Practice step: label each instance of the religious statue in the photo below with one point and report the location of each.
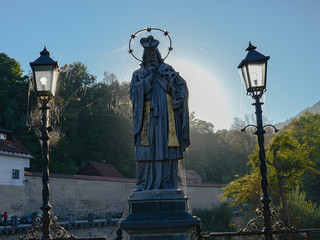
(159, 96)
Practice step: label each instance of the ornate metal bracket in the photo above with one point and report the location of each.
(250, 125)
(56, 230)
(256, 224)
(279, 224)
(268, 125)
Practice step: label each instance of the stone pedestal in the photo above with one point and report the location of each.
(159, 214)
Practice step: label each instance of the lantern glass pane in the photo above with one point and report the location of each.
(257, 75)
(244, 76)
(43, 75)
(54, 81)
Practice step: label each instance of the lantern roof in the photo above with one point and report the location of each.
(44, 59)
(253, 56)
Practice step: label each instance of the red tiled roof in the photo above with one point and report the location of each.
(192, 174)
(11, 144)
(100, 169)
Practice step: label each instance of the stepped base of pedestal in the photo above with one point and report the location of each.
(160, 214)
(155, 234)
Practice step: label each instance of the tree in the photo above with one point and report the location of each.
(288, 160)
(244, 190)
(210, 154)
(304, 214)
(94, 128)
(217, 219)
(14, 98)
(241, 144)
(306, 129)
(74, 77)
(110, 78)
(200, 126)
(13, 93)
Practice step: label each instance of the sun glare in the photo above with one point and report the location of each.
(206, 96)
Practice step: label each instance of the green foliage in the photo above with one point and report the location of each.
(13, 99)
(244, 190)
(217, 219)
(95, 124)
(211, 155)
(200, 126)
(13, 93)
(73, 81)
(290, 162)
(304, 214)
(306, 130)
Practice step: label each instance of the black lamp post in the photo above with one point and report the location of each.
(45, 73)
(253, 71)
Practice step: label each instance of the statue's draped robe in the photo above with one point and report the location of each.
(160, 125)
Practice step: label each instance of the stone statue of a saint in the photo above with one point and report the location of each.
(159, 96)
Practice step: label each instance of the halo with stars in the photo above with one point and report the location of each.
(149, 29)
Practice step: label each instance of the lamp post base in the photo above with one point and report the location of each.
(46, 222)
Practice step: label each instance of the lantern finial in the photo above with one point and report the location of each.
(251, 47)
(45, 52)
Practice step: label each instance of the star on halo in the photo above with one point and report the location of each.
(149, 29)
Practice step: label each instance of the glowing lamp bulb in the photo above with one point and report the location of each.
(43, 80)
(255, 80)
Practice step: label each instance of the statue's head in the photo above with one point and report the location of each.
(151, 54)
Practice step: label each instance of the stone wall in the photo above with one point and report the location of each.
(77, 196)
(203, 196)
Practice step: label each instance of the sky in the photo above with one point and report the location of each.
(209, 38)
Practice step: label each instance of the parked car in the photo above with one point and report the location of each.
(9, 220)
(30, 217)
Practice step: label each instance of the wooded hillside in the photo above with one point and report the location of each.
(92, 122)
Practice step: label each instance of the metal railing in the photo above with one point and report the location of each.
(290, 234)
(256, 230)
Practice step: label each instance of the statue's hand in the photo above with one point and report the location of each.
(151, 68)
(149, 79)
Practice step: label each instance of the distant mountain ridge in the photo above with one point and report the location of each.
(313, 109)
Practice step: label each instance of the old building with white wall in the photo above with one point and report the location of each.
(14, 158)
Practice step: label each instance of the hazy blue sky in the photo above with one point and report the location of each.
(209, 39)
